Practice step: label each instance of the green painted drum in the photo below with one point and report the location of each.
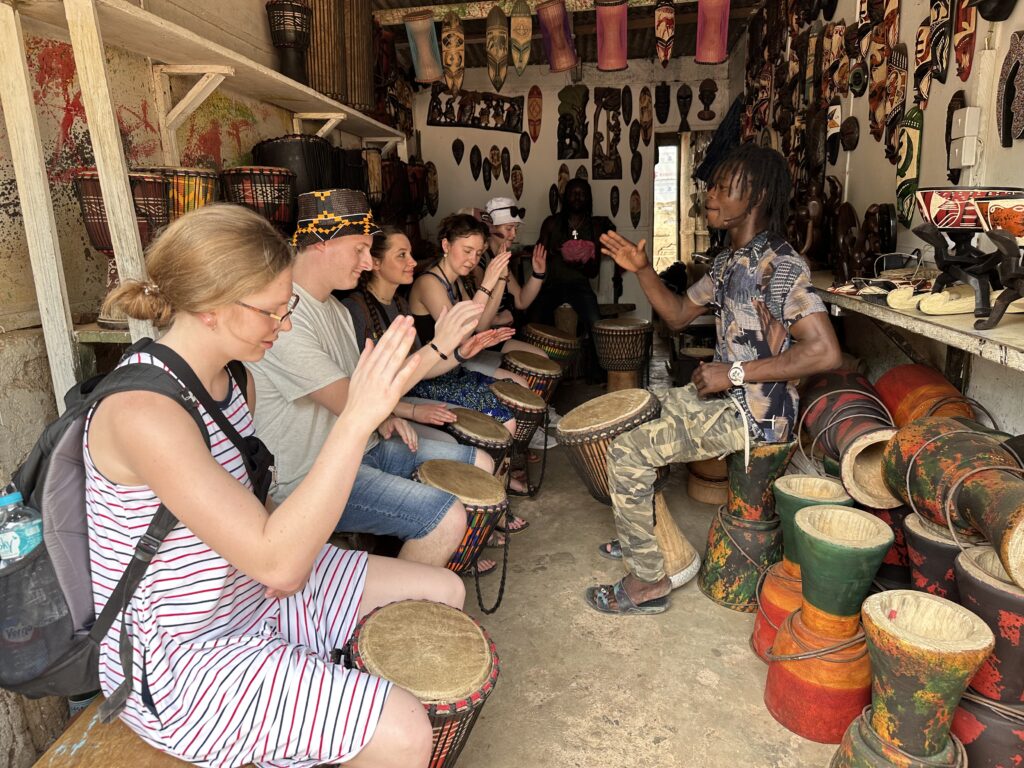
(793, 493)
(738, 552)
(924, 650)
(750, 484)
(840, 550)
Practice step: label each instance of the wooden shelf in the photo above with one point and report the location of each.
(143, 33)
(91, 333)
(1004, 344)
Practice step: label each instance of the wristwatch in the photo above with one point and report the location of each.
(736, 376)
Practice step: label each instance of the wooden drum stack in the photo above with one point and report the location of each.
(781, 592)
(440, 655)
(819, 677)
(587, 433)
(623, 349)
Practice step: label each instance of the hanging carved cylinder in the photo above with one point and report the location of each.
(358, 24)
(712, 31)
(426, 56)
(557, 36)
(325, 58)
(611, 35)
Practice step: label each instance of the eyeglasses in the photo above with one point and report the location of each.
(293, 302)
(516, 213)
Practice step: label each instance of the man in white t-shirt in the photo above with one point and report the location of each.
(302, 385)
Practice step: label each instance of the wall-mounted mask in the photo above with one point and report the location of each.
(923, 64)
(563, 177)
(664, 30)
(517, 181)
(453, 52)
(859, 78)
(506, 163)
(1010, 93)
(553, 198)
(520, 34)
(908, 164)
(636, 167)
(534, 111)
(458, 150)
(662, 103)
(524, 146)
(475, 161)
(495, 157)
(646, 115)
(942, 29)
(634, 135)
(634, 208)
(613, 201)
(627, 104)
(497, 47)
(486, 173)
(849, 133)
(581, 173)
(433, 193)
(706, 93)
(684, 99)
(965, 22)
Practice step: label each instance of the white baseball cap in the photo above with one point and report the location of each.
(503, 210)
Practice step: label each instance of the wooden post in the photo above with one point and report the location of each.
(87, 43)
(36, 205)
(171, 117)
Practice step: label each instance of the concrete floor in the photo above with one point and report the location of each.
(577, 688)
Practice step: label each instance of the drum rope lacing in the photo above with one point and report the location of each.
(504, 569)
(963, 399)
(1014, 714)
(920, 760)
(819, 398)
(816, 653)
(760, 586)
(955, 488)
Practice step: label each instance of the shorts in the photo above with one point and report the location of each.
(386, 502)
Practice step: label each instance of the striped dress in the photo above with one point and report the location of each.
(224, 676)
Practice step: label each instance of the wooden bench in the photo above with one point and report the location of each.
(88, 743)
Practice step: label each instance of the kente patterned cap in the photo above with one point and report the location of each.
(330, 213)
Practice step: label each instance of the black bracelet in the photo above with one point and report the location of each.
(458, 355)
(485, 290)
(440, 354)
(539, 275)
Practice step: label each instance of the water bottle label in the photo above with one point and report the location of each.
(20, 538)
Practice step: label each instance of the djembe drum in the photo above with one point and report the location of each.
(924, 650)
(309, 157)
(560, 346)
(622, 349)
(440, 655)
(149, 195)
(267, 190)
(187, 188)
(540, 373)
(483, 497)
(587, 432)
(819, 676)
(527, 407)
(484, 432)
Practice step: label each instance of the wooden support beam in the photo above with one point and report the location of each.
(478, 10)
(199, 92)
(90, 62)
(331, 121)
(36, 205)
(170, 117)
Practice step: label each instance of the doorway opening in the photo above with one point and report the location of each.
(665, 250)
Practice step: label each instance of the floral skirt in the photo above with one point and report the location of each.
(464, 388)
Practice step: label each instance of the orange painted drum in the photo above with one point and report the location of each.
(912, 392)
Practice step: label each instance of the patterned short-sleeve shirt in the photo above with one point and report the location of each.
(757, 292)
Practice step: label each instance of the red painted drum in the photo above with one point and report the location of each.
(912, 392)
(992, 733)
(932, 552)
(986, 590)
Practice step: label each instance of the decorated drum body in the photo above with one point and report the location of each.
(541, 374)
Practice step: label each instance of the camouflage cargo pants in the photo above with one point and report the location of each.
(689, 429)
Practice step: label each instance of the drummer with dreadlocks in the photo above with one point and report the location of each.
(772, 329)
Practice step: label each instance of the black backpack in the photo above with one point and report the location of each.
(49, 633)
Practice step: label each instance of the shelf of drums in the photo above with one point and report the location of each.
(141, 32)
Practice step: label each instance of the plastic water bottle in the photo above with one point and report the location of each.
(21, 529)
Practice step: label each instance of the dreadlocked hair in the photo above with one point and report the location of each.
(762, 174)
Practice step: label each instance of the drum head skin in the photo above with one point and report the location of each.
(480, 426)
(531, 362)
(434, 651)
(623, 324)
(550, 332)
(523, 398)
(605, 411)
(472, 485)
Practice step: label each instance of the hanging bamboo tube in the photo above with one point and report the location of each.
(358, 25)
(325, 58)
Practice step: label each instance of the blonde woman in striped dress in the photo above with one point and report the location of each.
(236, 618)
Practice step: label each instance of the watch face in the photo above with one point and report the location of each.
(736, 375)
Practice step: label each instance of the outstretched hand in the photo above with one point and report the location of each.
(632, 257)
(495, 269)
(539, 260)
(382, 376)
(478, 342)
(454, 323)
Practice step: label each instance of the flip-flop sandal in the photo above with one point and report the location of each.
(599, 598)
(530, 491)
(494, 541)
(482, 571)
(524, 524)
(611, 549)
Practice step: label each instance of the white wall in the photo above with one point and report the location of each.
(458, 190)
